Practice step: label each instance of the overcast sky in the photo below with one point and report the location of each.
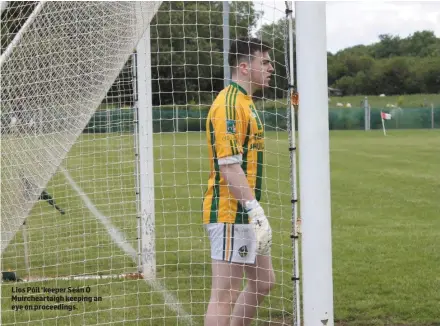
(351, 23)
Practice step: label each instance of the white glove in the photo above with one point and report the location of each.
(260, 224)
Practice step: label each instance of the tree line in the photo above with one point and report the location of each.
(187, 55)
(392, 66)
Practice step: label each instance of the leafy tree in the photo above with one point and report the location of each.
(391, 66)
(187, 54)
(428, 72)
(187, 48)
(274, 35)
(395, 75)
(420, 44)
(336, 69)
(346, 84)
(388, 46)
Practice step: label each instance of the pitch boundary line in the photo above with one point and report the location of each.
(119, 239)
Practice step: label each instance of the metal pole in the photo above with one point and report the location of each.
(176, 118)
(293, 157)
(20, 33)
(26, 249)
(226, 40)
(366, 114)
(146, 158)
(369, 117)
(3, 5)
(137, 163)
(314, 164)
(109, 121)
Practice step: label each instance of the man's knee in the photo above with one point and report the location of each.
(263, 287)
(224, 295)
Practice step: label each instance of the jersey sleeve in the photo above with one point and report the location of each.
(225, 131)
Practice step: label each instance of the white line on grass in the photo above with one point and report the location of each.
(119, 239)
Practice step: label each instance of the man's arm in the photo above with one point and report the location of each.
(237, 182)
(229, 152)
(226, 134)
(239, 187)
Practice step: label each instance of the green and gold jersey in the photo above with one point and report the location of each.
(233, 127)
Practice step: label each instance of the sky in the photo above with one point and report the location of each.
(351, 23)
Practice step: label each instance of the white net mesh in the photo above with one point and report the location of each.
(69, 125)
(53, 79)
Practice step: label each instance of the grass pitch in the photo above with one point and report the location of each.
(385, 216)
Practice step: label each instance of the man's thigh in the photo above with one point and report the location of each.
(261, 271)
(226, 276)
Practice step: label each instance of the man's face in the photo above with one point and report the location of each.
(261, 70)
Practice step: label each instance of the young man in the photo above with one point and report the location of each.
(238, 229)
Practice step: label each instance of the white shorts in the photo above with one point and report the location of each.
(232, 242)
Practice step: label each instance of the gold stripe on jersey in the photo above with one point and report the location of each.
(241, 216)
(215, 194)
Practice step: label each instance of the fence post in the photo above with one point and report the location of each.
(367, 114)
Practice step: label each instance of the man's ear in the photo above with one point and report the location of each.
(243, 67)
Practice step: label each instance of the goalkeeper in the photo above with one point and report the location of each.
(239, 232)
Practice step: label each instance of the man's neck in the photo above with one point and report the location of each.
(245, 85)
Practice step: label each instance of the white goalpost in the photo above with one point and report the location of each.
(104, 159)
(144, 108)
(314, 163)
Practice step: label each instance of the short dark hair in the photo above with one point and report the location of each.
(245, 47)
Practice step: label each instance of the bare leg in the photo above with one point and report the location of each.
(226, 284)
(261, 279)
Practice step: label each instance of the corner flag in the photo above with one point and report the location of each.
(384, 116)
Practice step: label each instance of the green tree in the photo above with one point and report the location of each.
(336, 69)
(391, 66)
(275, 36)
(346, 84)
(187, 48)
(361, 80)
(395, 75)
(427, 71)
(420, 44)
(358, 50)
(388, 46)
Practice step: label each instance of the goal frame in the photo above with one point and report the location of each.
(316, 272)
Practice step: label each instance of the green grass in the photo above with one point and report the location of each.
(385, 214)
(385, 225)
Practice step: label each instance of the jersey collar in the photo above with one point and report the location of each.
(241, 89)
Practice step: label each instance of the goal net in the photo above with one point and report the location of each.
(104, 159)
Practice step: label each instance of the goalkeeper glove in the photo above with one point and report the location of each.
(261, 227)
